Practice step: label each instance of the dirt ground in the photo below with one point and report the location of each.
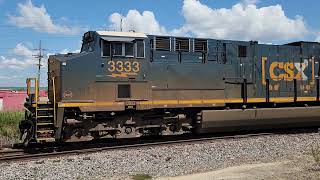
(297, 168)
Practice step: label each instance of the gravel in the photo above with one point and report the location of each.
(168, 160)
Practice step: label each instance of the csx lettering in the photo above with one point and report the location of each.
(123, 66)
(287, 71)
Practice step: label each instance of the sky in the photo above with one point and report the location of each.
(60, 25)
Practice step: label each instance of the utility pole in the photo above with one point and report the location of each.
(39, 56)
(121, 23)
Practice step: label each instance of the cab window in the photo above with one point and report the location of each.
(129, 49)
(117, 49)
(126, 49)
(140, 49)
(106, 49)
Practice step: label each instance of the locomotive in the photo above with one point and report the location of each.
(129, 84)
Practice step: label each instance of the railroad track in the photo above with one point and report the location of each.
(11, 152)
(20, 154)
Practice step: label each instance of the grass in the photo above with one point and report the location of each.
(9, 124)
(315, 151)
(141, 177)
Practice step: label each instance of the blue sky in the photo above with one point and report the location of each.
(60, 24)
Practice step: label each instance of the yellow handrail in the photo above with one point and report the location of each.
(37, 90)
(28, 86)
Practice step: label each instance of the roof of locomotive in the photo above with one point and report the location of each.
(122, 34)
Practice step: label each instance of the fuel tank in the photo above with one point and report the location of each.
(262, 118)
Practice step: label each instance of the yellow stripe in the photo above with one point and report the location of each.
(84, 104)
(213, 101)
(159, 102)
(190, 101)
(282, 99)
(306, 98)
(256, 100)
(193, 101)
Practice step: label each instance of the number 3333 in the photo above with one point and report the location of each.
(123, 66)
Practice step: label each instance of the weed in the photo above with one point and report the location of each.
(315, 151)
(9, 123)
(141, 177)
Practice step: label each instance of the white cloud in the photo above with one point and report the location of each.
(22, 50)
(23, 64)
(38, 19)
(5, 77)
(242, 21)
(23, 60)
(247, 2)
(13, 63)
(134, 20)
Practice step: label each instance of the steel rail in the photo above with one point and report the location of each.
(26, 156)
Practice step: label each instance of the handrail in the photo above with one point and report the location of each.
(36, 97)
(37, 90)
(54, 100)
(28, 86)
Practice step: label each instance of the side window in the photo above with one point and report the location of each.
(129, 49)
(117, 49)
(140, 48)
(182, 44)
(242, 51)
(106, 48)
(200, 45)
(162, 44)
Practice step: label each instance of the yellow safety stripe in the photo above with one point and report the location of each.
(85, 104)
(188, 102)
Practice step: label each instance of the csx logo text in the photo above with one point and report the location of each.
(288, 69)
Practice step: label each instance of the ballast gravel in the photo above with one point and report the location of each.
(165, 160)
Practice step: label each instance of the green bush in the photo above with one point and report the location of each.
(9, 124)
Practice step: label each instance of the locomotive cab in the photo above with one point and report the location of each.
(123, 59)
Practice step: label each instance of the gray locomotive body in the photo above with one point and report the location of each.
(128, 84)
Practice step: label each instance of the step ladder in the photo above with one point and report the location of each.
(43, 112)
(44, 122)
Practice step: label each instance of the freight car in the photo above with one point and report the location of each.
(128, 84)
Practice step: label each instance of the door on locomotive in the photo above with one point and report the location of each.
(245, 60)
(126, 66)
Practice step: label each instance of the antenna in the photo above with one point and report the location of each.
(121, 20)
(39, 56)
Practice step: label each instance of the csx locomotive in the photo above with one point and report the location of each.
(128, 84)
